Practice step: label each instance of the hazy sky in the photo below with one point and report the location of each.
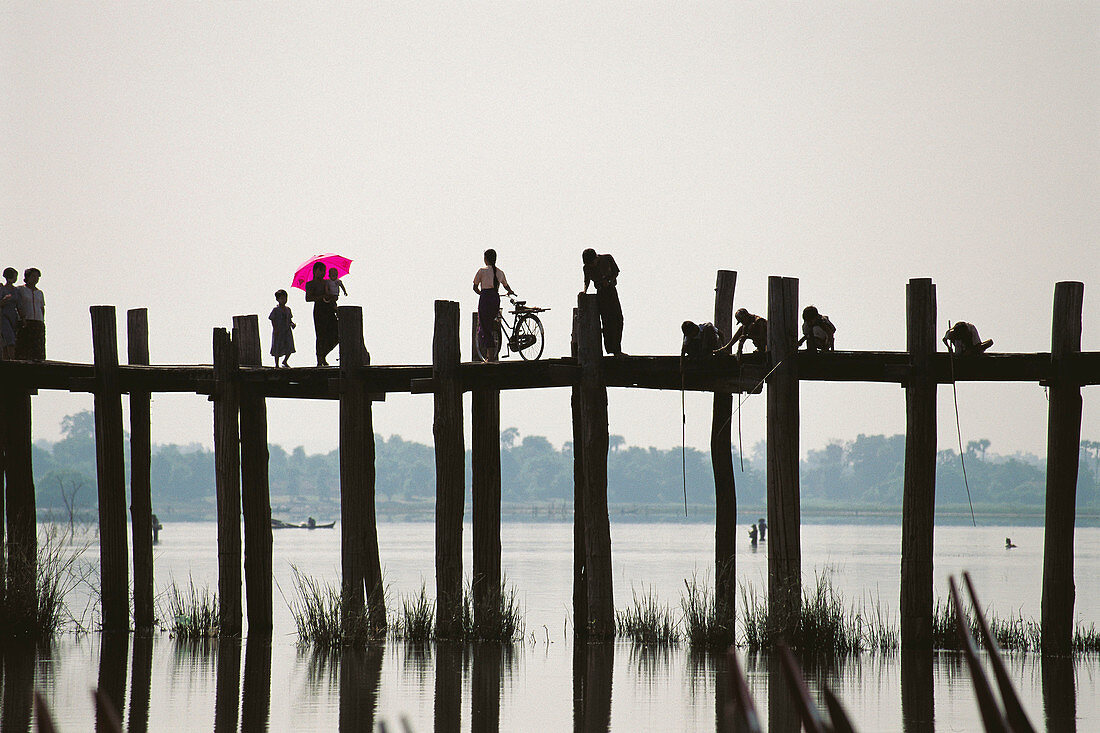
(187, 156)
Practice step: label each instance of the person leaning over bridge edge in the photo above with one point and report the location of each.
(602, 271)
(324, 314)
(817, 331)
(700, 339)
(30, 342)
(486, 281)
(750, 328)
(963, 339)
(9, 314)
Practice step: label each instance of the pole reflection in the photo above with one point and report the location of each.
(360, 676)
(112, 678)
(18, 687)
(1059, 694)
(228, 693)
(485, 708)
(593, 669)
(141, 680)
(256, 701)
(918, 702)
(448, 686)
(782, 710)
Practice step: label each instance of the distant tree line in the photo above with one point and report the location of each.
(863, 473)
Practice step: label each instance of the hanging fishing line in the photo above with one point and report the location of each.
(958, 430)
(683, 436)
(740, 447)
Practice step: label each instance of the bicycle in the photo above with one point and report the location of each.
(525, 334)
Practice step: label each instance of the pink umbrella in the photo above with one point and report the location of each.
(304, 273)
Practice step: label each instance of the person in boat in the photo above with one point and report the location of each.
(486, 282)
(311, 523)
(752, 534)
(700, 339)
(817, 331)
(963, 339)
(750, 327)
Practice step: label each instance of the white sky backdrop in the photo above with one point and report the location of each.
(186, 156)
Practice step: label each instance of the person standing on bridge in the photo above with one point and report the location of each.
(486, 282)
(324, 314)
(602, 271)
(30, 342)
(9, 313)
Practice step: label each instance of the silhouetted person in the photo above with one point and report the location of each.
(30, 342)
(9, 313)
(334, 286)
(157, 527)
(311, 523)
(700, 339)
(817, 330)
(752, 534)
(324, 314)
(963, 339)
(1008, 543)
(602, 271)
(750, 327)
(282, 329)
(486, 281)
(763, 526)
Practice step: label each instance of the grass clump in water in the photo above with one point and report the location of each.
(648, 621)
(416, 620)
(193, 612)
(504, 623)
(700, 617)
(825, 625)
(325, 620)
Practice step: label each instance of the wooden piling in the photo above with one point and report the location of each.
(721, 460)
(450, 469)
(255, 486)
(22, 535)
(227, 481)
(3, 505)
(784, 514)
(110, 472)
(1063, 451)
(485, 485)
(361, 565)
(141, 500)
(594, 444)
(580, 576)
(919, 493)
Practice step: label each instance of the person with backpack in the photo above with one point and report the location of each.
(817, 331)
(604, 273)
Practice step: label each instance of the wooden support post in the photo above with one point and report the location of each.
(580, 577)
(919, 493)
(1063, 451)
(227, 480)
(22, 535)
(485, 465)
(110, 472)
(784, 515)
(141, 499)
(594, 441)
(4, 395)
(721, 461)
(450, 470)
(255, 487)
(361, 566)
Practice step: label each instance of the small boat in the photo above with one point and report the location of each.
(311, 523)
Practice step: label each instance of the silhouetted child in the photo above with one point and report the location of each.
(334, 285)
(817, 331)
(282, 329)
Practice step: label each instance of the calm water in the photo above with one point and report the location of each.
(167, 685)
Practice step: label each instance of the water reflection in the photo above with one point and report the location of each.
(141, 680)
(256, 701)
(360, 676)
(112, 680)
(917, 691)
(593, 667)
(782, 709)
(485, 706)
(448, 686)
(1059, 694)
(228, 692)
(18, 687)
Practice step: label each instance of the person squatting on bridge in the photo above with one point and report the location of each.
(750, 327)
(817, 331)
(700, 339)
(963, 339)
(602, 271)
(486, 282)
(30, 342)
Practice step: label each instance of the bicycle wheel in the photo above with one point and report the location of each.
(529, 338)
(489, 351)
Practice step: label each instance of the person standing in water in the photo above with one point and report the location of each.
(324, 314)
(282, 329)
(486, 281)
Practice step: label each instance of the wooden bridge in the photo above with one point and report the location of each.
(238, 386)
